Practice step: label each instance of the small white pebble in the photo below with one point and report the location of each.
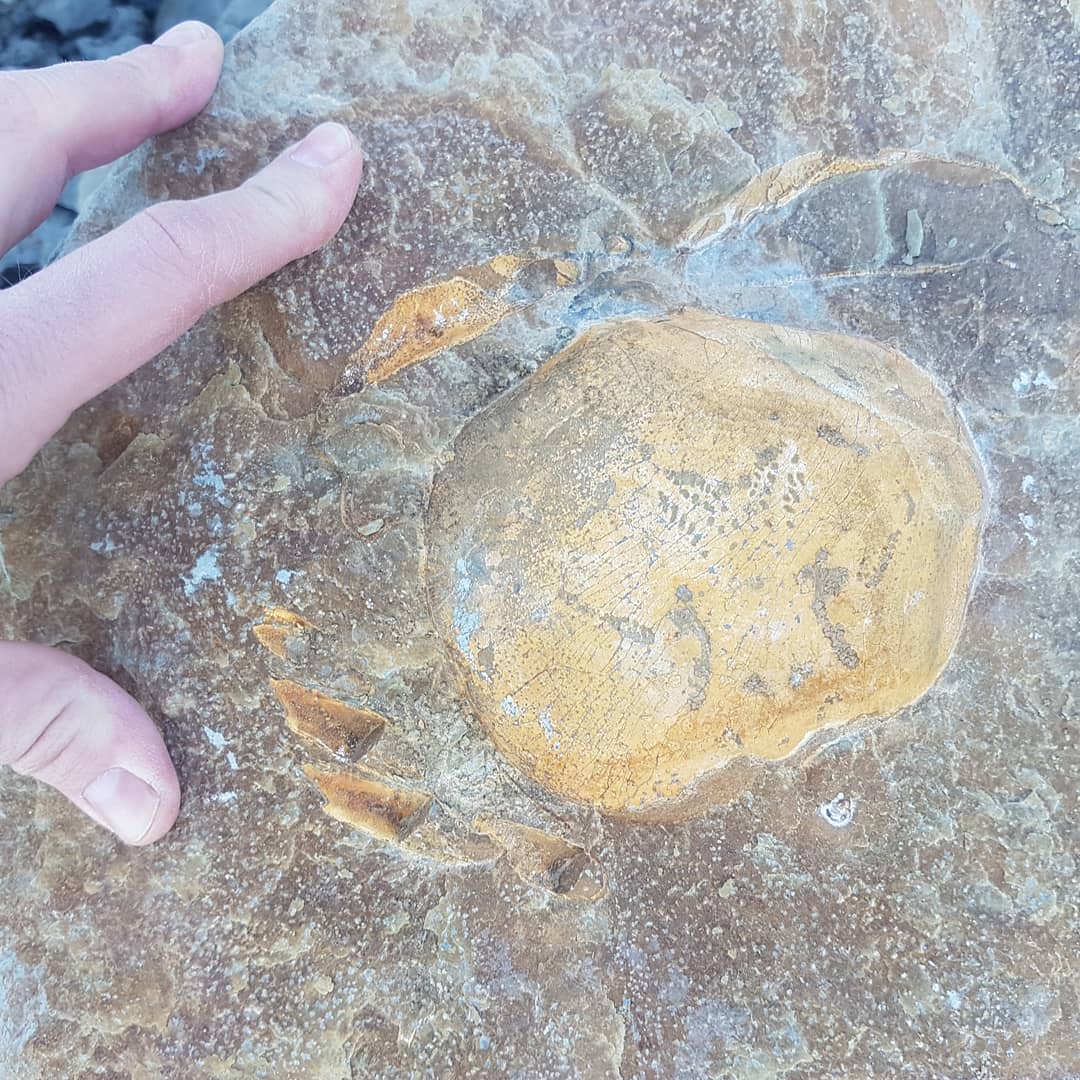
(839, 812)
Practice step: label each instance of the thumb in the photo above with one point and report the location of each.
(69, 726)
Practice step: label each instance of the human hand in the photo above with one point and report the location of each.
(94, 316)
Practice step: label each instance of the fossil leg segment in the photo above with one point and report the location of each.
(549, 861)
(342, 729)
(383, 812)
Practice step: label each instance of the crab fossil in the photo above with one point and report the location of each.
(684, 540)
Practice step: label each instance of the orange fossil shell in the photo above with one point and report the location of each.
(423, 322)
(696, 538)
(281, 629)
(340, 728)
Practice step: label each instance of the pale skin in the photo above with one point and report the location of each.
(95, 315)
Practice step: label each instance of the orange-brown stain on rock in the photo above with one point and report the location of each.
(375, 808)
(693, 539)
(426, 321)
(423, 322)
(566, 272)
(340, 728)
(279, 629)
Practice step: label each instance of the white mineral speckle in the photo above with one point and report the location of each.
(215, 738)
(209, 478)
(1026, 381)
(545, 725)
(203, 157)
(205, 569)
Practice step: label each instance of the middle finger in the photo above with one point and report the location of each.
(62, 120)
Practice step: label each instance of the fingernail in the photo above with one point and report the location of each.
(125, 803)
(185, 33)
(325, 145)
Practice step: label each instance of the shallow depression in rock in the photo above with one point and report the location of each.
(693, 539)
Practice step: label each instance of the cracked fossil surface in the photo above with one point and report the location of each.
(647, 532)
(694, 539)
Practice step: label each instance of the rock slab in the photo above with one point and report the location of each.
(238, 534)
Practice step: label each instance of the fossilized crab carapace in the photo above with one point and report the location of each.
(691, 539)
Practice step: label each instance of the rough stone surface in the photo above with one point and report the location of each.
(895, 898)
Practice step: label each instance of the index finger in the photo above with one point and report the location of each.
(86, 321)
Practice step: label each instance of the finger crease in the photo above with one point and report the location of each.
(150, 213)
(24, 763)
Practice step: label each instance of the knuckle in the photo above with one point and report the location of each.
(174, 240)
(53, 750)
(281, 201)
(9, 405)
(140, 79)
(37, 691)
(132, 64)
(20, 370)
(53, 719)
(10, 745)
(304, 213)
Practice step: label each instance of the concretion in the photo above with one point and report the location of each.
(863, 216)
